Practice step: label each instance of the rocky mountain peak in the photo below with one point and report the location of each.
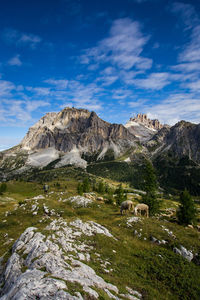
(143, 127)
(71, 134)
(144, 120)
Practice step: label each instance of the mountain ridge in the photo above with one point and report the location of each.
(79, 137)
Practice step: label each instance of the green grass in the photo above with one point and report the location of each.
(154, 270)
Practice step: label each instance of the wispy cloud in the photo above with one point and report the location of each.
(13, 36)
(175, 108)
(154, 81)
(191, 53)
(186, 12)
(122, 48)
(58, 83)
(15, 61)
(6, 87)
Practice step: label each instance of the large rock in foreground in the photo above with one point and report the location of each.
(43, 264)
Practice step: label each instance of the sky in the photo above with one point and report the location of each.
(117, 58)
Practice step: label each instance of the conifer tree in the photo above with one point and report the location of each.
(150, 187)
(187, 211)
(120, 195)
(86, 185)
(150, 180)
(80, 189)
(3, 188)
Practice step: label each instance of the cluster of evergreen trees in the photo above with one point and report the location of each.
(103, 189)
(186, 213)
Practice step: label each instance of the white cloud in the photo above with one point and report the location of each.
(195, 85)
(120, 94)
(6, 87)
(154, 81)
(60, 84)
(175, 108)
(15, 61)
(188, 67)
(40, 91)
(19, 38)
(187, 12)
(33, 105)
(122, 48)
(191, 53)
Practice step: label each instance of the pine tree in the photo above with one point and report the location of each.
(80, 189)
(120, 195)
(3, 188)
(150, 180)
(150, 187)
(187, 211)
(101, 188)
(86, 185)
(153, 202)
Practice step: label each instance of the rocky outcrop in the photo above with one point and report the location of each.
(65, 137)
(143, 128)
(143, 119)
(43, 265)
(181, 140)
(76, 128)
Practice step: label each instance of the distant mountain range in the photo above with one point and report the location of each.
(78, 137)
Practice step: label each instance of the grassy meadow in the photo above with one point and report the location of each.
(152, 269)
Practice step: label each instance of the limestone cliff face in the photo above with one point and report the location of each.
(76, 128)
(143, 128)
(151, 124)
(182, 139)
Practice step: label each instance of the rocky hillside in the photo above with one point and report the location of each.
(66, 137)
(76, 128)
(175, 153)
(80, 247)
(143, 127)
(182, 139)
(79, 137)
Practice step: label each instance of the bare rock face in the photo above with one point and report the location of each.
(142, 127)
(76, 128)
(42, 265)
(182, 139)
(64, 138)
(152, 124)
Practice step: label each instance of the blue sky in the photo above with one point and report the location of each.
(117, 58)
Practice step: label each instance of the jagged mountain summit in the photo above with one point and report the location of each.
(143, 127)
(181, 140)
(67, 136)
(79, 137)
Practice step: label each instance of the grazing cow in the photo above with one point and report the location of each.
(142, 207)
(126, 205)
